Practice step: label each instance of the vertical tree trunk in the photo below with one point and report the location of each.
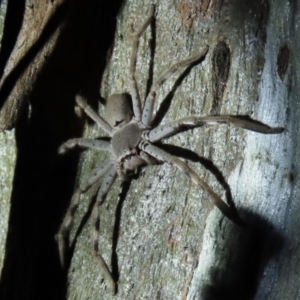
(164, 239)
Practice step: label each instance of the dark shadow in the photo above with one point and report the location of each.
(12, 26)
(152, 54)
(166, 103)
(43, 180)
(247, 252)
(114, 256)
(210, 166)
(8, 43)
(70, 252)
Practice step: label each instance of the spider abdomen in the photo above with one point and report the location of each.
(125, 140)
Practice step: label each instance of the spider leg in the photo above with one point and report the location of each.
(86, 143)
(108, 181)
(149, 102)
(82, 102)
(65, 227)
(162, 155)
(134, 91)
(166, 130)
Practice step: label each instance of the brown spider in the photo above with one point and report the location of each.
(133, 144)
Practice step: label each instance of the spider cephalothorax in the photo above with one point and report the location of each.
(135, 143)
(126, 133)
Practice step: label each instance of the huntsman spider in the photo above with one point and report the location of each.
(134, 144)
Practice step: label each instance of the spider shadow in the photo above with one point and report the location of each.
(152, 44)
(83, 222)
(210, 166)
(166, 103)
(246, 252)
(125, 186)
(122, 197)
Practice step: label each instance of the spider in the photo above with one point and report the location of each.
(134, 144)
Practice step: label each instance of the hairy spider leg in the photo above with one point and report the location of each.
(134, 91)
(64, 230)
(149, 102)
(163, 156)
(166, 130)
(107, 183)
(82, 102)
(86, 143)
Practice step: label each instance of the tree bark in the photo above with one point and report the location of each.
(162, 238)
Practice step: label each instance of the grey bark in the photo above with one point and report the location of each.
(165, 240)
(7, 165)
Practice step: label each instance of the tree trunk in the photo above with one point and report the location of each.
(162, 238)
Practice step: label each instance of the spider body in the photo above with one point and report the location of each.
(125, 140)
(128, 156)
(134, 145)
(126, 134)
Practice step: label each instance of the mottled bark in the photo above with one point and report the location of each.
(164, 239)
